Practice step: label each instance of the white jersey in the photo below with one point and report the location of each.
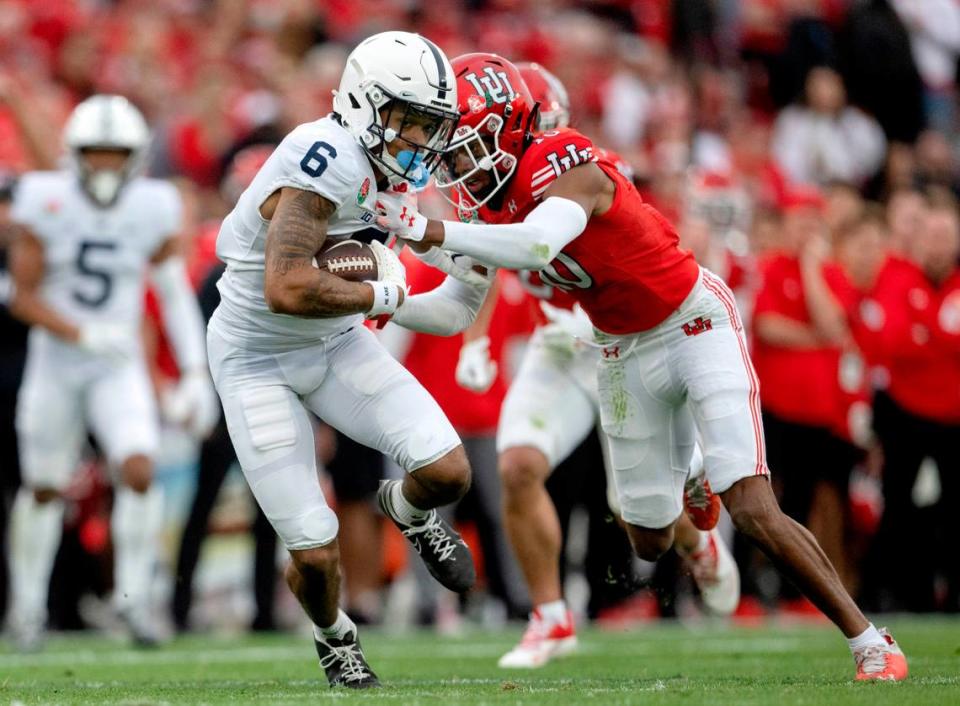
(320, 157)
(95, 259)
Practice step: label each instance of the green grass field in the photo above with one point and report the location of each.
(660, 664)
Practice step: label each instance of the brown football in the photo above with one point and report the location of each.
(349, 259)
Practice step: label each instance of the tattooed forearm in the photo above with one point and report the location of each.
(292, 285)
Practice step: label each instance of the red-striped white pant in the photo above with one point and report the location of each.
(659, 390)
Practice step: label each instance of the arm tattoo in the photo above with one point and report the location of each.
(297, 232)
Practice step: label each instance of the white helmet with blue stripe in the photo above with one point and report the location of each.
(403, 74)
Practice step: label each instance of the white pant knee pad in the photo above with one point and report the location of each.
(315, 528)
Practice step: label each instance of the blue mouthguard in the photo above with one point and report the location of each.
(411, 162)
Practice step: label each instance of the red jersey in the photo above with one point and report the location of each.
(872, 318)
(626, 269)
(919, 340)
(801, 385)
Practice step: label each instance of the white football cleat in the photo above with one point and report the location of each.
(716, 575)
(541, 642)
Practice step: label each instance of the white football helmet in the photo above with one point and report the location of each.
(399, 71)
(109, 123)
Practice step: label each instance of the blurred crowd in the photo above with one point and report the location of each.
(806, 149)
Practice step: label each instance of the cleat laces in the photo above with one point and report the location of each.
(437, 539)
(871, 659)
(348, 657)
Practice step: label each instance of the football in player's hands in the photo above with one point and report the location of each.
(349, 259)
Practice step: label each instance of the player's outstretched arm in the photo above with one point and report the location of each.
(444, 311)
(292, 285)
(181, 311)
(476, 370)
(528, 245)
(193, 402)
(27, 268)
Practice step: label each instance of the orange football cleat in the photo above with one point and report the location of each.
(881, 662)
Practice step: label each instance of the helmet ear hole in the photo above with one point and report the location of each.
(354, 103)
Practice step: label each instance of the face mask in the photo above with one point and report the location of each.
(104, 184)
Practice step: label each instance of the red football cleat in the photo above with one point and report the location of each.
(702, 506)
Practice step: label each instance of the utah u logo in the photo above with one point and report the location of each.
(697, 326)
(492, 85)
(572, 157)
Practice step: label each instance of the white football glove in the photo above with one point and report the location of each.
(567, 331)
(389, 267)
(574, 322)
(559, 344)
(389, 290)
(398, 214)
(459, 267)
(192, 404)
(475, 370)
(116, 342)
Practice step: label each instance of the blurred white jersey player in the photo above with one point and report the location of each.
(89, 235)
(550, 408)
(288, 338)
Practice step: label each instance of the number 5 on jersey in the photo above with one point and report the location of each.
(100, 277)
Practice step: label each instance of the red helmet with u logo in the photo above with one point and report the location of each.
(497, 119)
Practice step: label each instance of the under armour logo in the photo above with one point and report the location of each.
(611, 352)
(404, 217)
(698, 326)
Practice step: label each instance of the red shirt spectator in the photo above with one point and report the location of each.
(920, 340)
(799, 384)
(872, 318)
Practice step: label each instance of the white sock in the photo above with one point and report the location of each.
(135, 521)
(341, 626)
(870, 636)
(553, 612)
(35, 531)
(403, 509)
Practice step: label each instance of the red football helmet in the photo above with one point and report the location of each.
(497, 119)
(550, 93)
